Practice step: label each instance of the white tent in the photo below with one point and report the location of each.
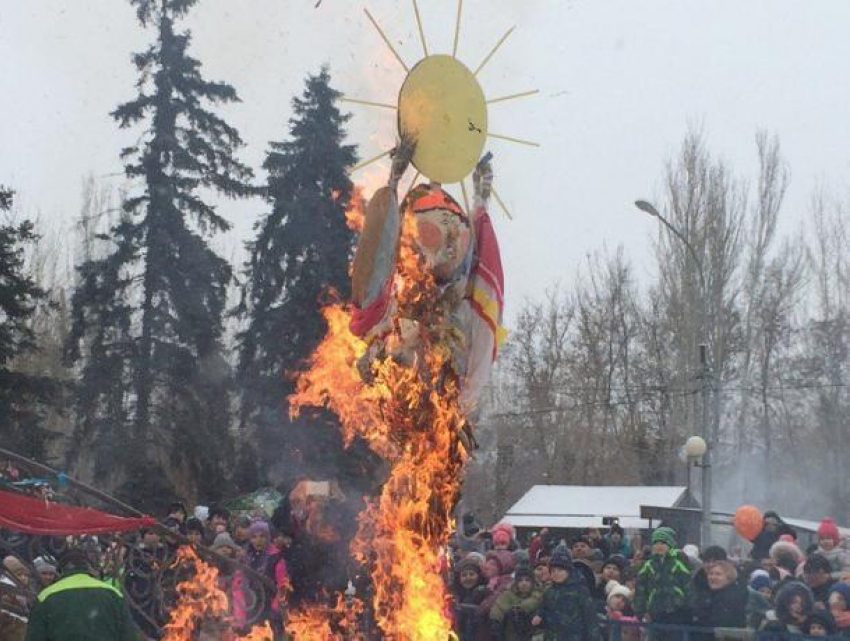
(581, 506)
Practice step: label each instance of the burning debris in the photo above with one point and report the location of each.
(202, 610)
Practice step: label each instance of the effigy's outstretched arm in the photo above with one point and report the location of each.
(377, 253)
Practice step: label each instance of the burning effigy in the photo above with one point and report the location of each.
(404, 362)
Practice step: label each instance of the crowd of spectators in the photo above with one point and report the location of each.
(599, 585)
(580, 586)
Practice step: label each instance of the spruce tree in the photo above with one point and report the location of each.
(24, 398)
(301, 251)
(176, 432)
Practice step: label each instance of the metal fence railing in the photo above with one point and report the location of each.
(617, 630)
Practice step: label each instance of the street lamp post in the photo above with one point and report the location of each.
(705, 371)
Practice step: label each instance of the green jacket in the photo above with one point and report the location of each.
(663, 585)
(515, 624)
(81, 608)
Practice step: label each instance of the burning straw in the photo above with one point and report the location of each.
(410, 416)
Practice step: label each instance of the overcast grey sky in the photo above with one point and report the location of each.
(620, 81)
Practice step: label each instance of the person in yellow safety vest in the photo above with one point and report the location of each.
(79, 607)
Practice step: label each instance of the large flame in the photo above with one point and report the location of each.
(201, 601)
(410, 416)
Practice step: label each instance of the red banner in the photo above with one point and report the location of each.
(28, 515)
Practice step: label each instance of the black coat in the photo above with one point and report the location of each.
(762, 544)
(723, 608)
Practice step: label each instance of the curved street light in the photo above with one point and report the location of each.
(648, 208)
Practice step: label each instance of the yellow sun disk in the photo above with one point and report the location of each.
(441, 105)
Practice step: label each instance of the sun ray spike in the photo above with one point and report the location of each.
(369, 161)
(457, 27)
(520, 141)
(513, 96)
(368, 103)
(421, 30)
(501, 203)
(494, 50)
(385, 39)
(465, 198)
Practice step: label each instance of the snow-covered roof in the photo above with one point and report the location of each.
(580, 506)
(812, 526)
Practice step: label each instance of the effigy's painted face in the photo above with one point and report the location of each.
(442, 236)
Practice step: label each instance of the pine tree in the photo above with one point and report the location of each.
(301, 251)
(175, 423)
(24, 398)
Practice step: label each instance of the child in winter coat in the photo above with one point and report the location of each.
(510, 616)
(829, 540)
(794, 604)
(469, 590)
(566, 610)
(820, 624)
(619, 608)
(498, 568)
(663, 592)
(839, 606)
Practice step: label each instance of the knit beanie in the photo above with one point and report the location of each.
(470, 562)
(842, 588)
(613, 589)
(523, 571)
(760, 579)
(224, 540)
(666, 535)
(259, 527)
(504, 559)
(561, 559)
(617, 560)
(43, 565)
(502, 533)
(828, 530)
(477, 557)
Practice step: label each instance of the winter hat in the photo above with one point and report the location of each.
(595, 556)
(504, 559)
(828, 530)
(666, 535)
(14, 565)
(470, 562)
(202, 513)
(502, 533)
(843, 589)
(477, 557)
(760, 579)
(613, 589)
(713, 553)
(561, 559)
(224, 540)
(259, 527)
(520, 557)
(523, 571)
(691, 551)
(616, 559)
(786, 593)
(43, 565)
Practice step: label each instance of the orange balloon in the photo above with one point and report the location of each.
(748, 522)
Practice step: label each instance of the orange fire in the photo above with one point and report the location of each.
(202, 603)
(409, 415)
